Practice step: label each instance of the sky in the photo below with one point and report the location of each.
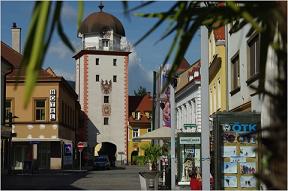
(144, 59)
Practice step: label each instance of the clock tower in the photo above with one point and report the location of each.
(102, 80)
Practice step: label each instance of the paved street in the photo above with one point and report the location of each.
(116, 179)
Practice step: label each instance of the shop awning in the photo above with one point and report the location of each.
(160, 133)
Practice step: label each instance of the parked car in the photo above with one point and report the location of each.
(101, 162)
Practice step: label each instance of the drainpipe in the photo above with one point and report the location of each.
(3, 122)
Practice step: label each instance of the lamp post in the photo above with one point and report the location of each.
(172, 86)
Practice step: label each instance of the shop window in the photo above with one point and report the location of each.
(40, 110)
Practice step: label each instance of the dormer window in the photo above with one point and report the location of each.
(105, 43)
(138, 115)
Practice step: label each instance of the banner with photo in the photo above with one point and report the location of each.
(165, 99)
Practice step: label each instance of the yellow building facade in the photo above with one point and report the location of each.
(217, 71)
(140, 108)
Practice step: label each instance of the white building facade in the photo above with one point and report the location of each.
(102, 80)
(188, 103)
(243, 54)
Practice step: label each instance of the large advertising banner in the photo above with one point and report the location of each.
(165, 99)
(236, 159)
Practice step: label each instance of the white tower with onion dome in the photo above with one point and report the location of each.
(102, 80)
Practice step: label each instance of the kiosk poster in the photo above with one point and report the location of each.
(247, 181)
(247, 151)
(229, 151)
(230, 181)
(248, 167)
(230, 167)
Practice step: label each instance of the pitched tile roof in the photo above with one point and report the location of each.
(219, 33)
(140, 104)
(184, 65)
(14, 58)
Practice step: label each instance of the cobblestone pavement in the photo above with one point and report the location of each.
(121, 178)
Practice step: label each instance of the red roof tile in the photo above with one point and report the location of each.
(219, 33)
(184, 65)
(140, 104)
(14, 58)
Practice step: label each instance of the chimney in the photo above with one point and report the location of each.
(16, 38)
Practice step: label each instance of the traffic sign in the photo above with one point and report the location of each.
(80, 146)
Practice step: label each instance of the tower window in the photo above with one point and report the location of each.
(114, 78)
(106, 99)
(97, 78)
(114, 62)
(97, 61)
(105, 43)
(106, 120)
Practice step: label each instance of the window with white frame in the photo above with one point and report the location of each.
(253, 56)
(210, 101)
(235, 72)
(214, 98)
(135, 132)
(219, 94)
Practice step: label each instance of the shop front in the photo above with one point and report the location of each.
(37, 155)
(188, 156)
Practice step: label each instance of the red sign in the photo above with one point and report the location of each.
(80, 146)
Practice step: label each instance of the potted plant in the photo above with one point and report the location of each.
(151, 155)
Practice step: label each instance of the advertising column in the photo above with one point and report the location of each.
(236, 142)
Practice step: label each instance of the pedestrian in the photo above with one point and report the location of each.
(195, 183)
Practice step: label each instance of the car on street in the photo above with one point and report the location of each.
(101, 162)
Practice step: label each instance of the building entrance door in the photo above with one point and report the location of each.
(44, 155)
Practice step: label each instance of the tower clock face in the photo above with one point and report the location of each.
(106, 110)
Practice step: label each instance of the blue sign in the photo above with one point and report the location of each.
(239, 127)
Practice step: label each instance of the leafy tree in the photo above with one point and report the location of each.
(140, 92)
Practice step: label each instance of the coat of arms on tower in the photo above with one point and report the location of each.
(106, 86)
(106, 110)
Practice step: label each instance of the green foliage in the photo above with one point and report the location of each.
(140, 160)
(140, 92)
(152, 153)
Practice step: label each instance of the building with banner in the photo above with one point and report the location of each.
(46, 129)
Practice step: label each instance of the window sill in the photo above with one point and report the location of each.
(234, 91)
(253, 79)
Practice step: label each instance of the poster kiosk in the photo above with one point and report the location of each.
(235, 140)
